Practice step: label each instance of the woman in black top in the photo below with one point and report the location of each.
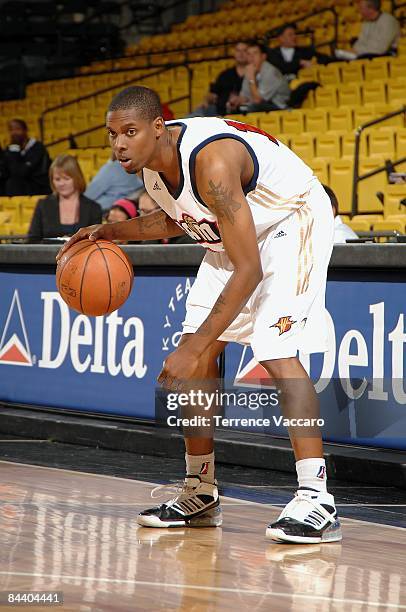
(67, 209)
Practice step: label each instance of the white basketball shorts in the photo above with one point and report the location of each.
(286, 312)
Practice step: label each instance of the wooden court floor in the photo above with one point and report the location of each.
(74, 532)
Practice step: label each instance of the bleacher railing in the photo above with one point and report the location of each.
(357, 177)
(111, 88)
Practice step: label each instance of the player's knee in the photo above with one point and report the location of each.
(281, 368)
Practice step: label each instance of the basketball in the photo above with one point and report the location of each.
(94, 277)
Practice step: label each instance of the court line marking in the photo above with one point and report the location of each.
(154, 484)
(23, 441)
(172, 585)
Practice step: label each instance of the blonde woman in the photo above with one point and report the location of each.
(67, 209)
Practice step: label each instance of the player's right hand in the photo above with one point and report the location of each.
(93, 232)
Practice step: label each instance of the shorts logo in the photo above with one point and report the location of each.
(205, 468)
(280, 234)
(14, 347)
(284, 324)
(156, 187)
(321, 473)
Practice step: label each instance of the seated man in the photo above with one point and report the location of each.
(379, 32)
(111, 183)
(264, 87)
(24, 164)
(288, 58)
(228, 83)
(342, 231)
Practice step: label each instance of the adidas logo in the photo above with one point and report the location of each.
(280, 234)
(156, 187)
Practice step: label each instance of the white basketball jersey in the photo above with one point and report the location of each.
(279, 184)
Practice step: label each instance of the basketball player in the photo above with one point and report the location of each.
(268, 228)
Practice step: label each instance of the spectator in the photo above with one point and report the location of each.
(67, 209)
(342, 232)
(264, 88)
(111, 183)
(379, 33)
(228, 83)
(288, 58)
(122, 210)
(24, 164)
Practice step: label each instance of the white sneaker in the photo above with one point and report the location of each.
(309, 518)
(196, 504)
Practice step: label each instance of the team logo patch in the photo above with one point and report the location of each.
(205, 468)
(201, 231)
(321, 473)
(284, 324)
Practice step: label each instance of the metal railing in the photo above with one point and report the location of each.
(357, 178)
(104, 90)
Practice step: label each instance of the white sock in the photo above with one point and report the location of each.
(202, 465)
(311, 474)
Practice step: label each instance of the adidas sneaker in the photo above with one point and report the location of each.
(309, 518)
(195, 504)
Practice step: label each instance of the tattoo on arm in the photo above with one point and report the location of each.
(155, 222)
(224, 205)
(205, 328)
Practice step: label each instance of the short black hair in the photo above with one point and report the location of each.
(263, 48)
(374, 4)
(332, 196)
(144, 100)
(287, 26)
(21, 123)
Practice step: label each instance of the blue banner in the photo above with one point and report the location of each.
(53, 356)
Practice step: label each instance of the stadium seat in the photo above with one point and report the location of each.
(341, 175)
(326, 97)
(321, 170)
(393, 195)
(303, 145)
(269, 122)
(400, 137)
(377, 70)
(368, 188)
(374, 93)
(382, 142)
(361, 225)
(316, 121)
(328, 145)
(349, 95)
(352, 72)
(340, 119)
(389, 225)
(397, 91)
(370, 219)
(293, 122)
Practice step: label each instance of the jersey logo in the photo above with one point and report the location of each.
(280, 234)
(201, 231)
(284, 324)
(245, 127)
(156, 187)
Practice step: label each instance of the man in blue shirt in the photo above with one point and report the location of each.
(112, 183)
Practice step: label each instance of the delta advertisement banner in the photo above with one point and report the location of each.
(53, 356)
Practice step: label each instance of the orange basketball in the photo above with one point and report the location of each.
(94, 277)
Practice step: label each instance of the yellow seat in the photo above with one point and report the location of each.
(363, 115)
(397, 68)
(341, 172)
(293, 122)
(400, 143)
(330, 74)
(360, 225)
(368, 188)
(270, 122)
(326, 97)
(382, 142)
(321, 169)
(376, 70)
(352, 72)
(374, 93)
(303, 146)
(328, 145)
(397, 92)
(340, 119)
(349, 95)
(389, 225)
(371, 219)
(393, 195)
(316, 121)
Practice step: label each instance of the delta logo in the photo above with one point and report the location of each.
(14, 346)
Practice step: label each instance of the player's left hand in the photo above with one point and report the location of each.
(182, 364)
